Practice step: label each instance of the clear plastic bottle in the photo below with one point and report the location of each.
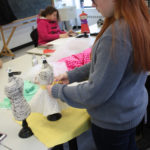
(34, 60)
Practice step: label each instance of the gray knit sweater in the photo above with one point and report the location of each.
(114, 96)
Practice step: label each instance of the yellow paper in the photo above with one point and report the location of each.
(56, 82)
(43, 87)
(51, 133)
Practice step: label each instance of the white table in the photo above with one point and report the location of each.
(24, 63)
(7, 124)
(71, 45)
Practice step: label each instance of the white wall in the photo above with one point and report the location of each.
(21, 36)
(93, 14)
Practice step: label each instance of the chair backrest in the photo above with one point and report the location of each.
(34, 37)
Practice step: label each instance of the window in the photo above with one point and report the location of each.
(62, 3)
(67, 2)
(86, 3)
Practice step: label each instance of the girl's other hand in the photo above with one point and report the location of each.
(70, 32)
(49, 89)
(65, 35)
(1, 63)
(63, 78)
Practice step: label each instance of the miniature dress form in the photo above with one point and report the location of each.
(84, 24)
(42, 102)
(20, 108)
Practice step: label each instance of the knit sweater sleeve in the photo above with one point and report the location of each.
(79, 74)
(103, 81)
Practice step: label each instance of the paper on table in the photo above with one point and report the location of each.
(51, 133)
(45, 51)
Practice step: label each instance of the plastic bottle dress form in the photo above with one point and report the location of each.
(20, 108)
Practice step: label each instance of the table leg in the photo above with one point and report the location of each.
(73, 144)
(5, 50)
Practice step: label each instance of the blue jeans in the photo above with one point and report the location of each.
(114, 140)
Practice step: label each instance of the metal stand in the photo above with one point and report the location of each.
(5, 50)
(5, 146)
(26, 131)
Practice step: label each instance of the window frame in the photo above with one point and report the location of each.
(82, 4)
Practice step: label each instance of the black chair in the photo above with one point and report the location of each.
(34, 37)
(140, 128)
(147, 84)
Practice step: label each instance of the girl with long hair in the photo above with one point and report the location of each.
(114, 94)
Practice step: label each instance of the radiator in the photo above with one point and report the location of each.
(93, 19)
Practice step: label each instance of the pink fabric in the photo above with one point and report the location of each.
(77, 60)
(47, 30)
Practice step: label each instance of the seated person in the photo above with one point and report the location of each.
(47, 26)
(1, 63)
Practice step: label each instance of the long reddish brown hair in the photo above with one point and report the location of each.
(136, 14)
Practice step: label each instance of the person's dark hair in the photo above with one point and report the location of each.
(48, 11)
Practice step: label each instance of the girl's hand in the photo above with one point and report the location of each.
(63, 78)
(71, 32)
(65, 35)
(1, 63)
(49, 89)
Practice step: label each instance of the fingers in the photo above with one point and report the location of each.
(56, 82)
(71, 31)
(62, 79)
(49, 89)
(1, 63)
(63, 35)
(67, 35)
(61, 82)
(65, 82)
(58, 78)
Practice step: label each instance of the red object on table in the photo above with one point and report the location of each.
(84, 23)
(48, 51)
